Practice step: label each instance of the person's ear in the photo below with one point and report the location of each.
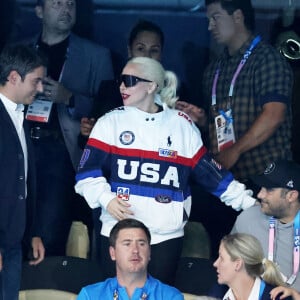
(238, 16)
(39, 11)
(238, 264)
(152, 87)
(292, 196)
(13, 77)
(112, 253)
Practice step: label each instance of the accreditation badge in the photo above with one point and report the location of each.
(39, 110)
(224, 129)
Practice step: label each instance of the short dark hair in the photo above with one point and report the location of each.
(20, 58)
(124, 224)
(232, 5)
(39, 2)
(144, 25)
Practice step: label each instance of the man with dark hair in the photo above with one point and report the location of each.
(21, 72)
(130, 249)
(127, 223)
(232, 5)
(21, 59)
(276, 222)
(249, 87)
(75, 70)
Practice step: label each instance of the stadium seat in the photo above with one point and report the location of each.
(46, 295)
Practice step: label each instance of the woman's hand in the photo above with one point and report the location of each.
(284, 292)
(118, 208)
(86, 126)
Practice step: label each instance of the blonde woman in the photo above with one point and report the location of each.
(241, 265)
(138, 163)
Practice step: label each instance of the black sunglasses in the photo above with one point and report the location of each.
(130, 80)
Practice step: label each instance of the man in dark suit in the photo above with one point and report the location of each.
(21, 72)
(76, 67)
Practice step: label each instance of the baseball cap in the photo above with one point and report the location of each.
(280, 174)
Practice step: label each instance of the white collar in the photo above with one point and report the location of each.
(11, 105)
(254, 294)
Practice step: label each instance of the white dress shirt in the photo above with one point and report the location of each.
(254, 295)
(16, 114)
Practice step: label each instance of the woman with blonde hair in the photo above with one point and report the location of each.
(138, 163)
(241, 265)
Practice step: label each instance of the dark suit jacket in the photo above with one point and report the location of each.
(87, 65)
(16, 210)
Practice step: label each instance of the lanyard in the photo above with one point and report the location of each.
(246, 55)
(144, 296)
(261, 289)
(296, 251)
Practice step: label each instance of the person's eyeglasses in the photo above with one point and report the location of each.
(130, 80)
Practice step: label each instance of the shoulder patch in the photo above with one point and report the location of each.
(185, 116)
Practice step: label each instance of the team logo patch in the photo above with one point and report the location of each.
(127, 137)
(123, 193)
(163, 199)
(216, 164)
(85, 156)
(270, 168)
(167, 153)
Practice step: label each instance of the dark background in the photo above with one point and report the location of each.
(187, 41)
(188, 46)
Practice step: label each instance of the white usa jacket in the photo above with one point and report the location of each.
(149, 159)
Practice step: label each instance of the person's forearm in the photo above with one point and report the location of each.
(263, 127)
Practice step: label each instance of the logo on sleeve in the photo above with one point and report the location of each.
(185, 116)
(84, 158)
